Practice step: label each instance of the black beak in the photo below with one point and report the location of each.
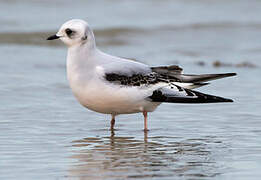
(53, 37)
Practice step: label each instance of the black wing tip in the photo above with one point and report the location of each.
(158, 96)
(207, 98)
(220, 99)
(201, 84)
(231, 74)
(229, 100)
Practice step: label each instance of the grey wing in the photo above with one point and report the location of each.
(170, 76)
(141, 75)
(174, 74)
(129, 73)
(171, 92)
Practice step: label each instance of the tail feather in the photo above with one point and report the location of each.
(176, 73)
(188, 78)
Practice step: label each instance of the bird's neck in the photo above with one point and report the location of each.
(81, 58)
(80, 55)
(80, 65)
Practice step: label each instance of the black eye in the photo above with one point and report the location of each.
(68, 31)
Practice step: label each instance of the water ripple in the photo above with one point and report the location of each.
(158, 156)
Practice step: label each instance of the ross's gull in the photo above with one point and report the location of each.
(114, 85)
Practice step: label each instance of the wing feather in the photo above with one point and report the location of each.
(177, 94)
(176, 73)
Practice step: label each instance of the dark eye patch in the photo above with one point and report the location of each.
(69, 32)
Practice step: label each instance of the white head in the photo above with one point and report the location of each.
(75, 32)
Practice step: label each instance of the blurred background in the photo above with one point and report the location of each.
(46, 134)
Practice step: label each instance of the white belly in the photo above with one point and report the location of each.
(113, 99)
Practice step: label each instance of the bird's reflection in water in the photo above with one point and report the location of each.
(115, 157)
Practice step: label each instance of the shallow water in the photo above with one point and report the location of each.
(46, 134)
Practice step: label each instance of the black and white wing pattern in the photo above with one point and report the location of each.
(176, 94)
(167, 74)
(172, 92)
(132, 80)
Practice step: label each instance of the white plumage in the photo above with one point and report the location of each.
(113, 85)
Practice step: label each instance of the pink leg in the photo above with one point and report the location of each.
(145, 114)
(112, 122)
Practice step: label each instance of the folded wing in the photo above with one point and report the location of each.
(190, 81)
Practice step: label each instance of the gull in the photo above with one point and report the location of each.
(112, 85)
